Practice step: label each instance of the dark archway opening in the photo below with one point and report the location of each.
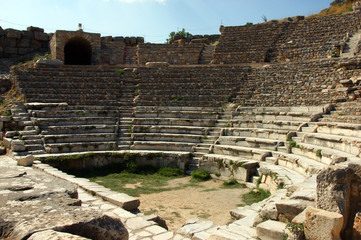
(77, 51)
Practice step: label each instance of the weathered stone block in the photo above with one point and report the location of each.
(35, 29)
(12, 33)
(322, 225)
(26, 161)
(271, 230)
(23, 43)
(41, 36)
(18, 146)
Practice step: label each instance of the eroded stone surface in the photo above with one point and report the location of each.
(322, 225)
(32, 201)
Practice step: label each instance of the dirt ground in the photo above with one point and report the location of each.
(209, 202)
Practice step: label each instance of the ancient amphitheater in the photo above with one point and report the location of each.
(276, 104)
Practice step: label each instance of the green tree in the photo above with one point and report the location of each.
(180, 34)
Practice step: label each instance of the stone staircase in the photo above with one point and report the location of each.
(350, 49)
(206, 56)
(205, 146)
(30, 134)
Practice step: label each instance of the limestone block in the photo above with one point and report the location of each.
(157, 64)
(188, 230)
(23, 43)
(12, 33)
(288, 209)
(41, 36)
(271, 230)
(18, 146)
(35, 29)
(269, 211)
(321, 224)
(27, 35)
(7, 142)
(26, 161)
(10, 134)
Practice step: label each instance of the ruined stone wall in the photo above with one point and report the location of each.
(19, 46)
(114, 49)
(315, 38)
(285, 40)
(245, 44)
(175, 54)
(314, 82)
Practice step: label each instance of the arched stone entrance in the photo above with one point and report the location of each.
(77, 51)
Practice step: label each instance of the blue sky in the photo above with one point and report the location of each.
(152, 19)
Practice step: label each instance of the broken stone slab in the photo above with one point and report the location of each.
(241, 212)
(54, 235)
(11, 134)
(190, 228)
(304, 194)
(18, 146)
(272, 230)
(35, 202)
(288, 209)
(322, 225)
(269, 211)
(160, 221)
(223, 234)
(138, 223)
(122, 200)
(7, 142)
(26, 161)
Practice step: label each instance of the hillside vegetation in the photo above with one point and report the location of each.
(336, 7)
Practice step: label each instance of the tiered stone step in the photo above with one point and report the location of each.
(273, 177)
(65, 129)
(300, 164)
(348, 112)
(346, 144)
(245, 152)
(176, 86)
(171, 128)
(76, 86)
(32, 139)
(296, 114)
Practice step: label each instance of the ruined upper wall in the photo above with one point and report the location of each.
(19, 46)
(291, 40)
(175, 54)
(245, 44)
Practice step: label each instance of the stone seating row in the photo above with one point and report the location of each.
(171, 128)
(64, 130)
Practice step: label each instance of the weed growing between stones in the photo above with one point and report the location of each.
(233, 183)
(200, 175)
(121, 71)
(296, 228)
(254, 196)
